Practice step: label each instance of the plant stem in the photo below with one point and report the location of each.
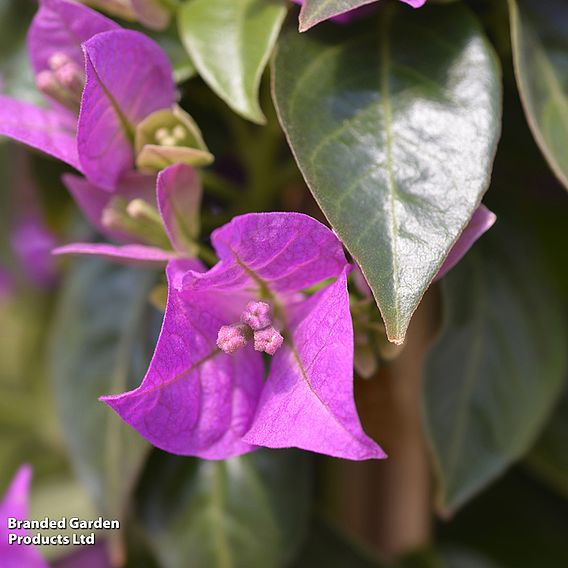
(387, 503)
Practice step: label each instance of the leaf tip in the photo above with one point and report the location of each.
(304, 22)
(251, 112)
(395, 333)
(305, 25)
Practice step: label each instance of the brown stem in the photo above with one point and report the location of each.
(387, 503)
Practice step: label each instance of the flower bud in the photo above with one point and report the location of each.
(257, 315)
(63, 81)
(141, 210)
(137, 219)
(58, 60)
(231, 338)
(72, 79)
(268, 340)
(47, 83)
(169, 136)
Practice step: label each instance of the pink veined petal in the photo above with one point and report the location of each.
(125, 254)
(128, 78)
(194, 400)
(178, 268)
(307, 401)
(39, 128)
(61, 26)
(286, 251)
(92, 200)
(15, 504)
(481, 221)
(178, 191)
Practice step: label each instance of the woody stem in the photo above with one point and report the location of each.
(386, 504)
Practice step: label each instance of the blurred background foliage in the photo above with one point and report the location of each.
(93, 332)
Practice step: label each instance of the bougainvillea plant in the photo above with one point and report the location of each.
(301, 310)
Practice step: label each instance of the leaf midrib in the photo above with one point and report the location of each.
(386, 61)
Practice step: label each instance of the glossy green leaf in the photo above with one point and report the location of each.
(248, 512)
(103, 337)
(496, 370)
(230, 42)
(539, 33)
(394, 124)
(549, 457)
(315, 11)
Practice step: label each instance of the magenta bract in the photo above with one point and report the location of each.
(175, 195)
(198, 400)
(481, 221)
(115, 102)
(59, 27)
(65, 39)
(15, 505)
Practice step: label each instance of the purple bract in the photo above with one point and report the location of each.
(15, 505)
(79, 57)
(154, 222)
(197, 399)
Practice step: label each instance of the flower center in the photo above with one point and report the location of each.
(63, 81)
(136, 218)
(256, 325)
(171, 136)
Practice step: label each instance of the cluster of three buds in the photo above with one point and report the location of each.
(255, 324)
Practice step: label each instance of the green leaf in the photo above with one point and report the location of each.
(539, 34)
(497, 369)
(394, 124)
(549, 457)
(327, 547)
(249, 511)
(230, 42)
(315, 11)
(516, 523)
(103, 337)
